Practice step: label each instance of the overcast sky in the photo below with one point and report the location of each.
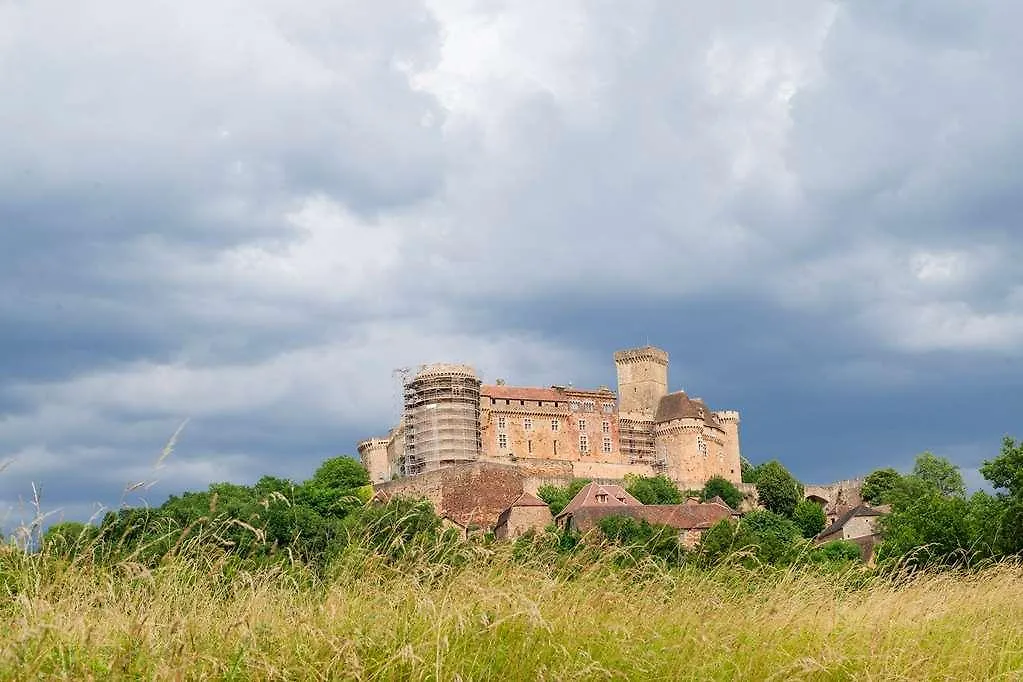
(247, 213)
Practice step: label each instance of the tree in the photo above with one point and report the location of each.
(940, 473)
(653, 489)
(747, 471)
(723, 488)
(334, 489)
(1006, 470)
(810, 518)
(558, 497)
(878, 484)
(777, 489)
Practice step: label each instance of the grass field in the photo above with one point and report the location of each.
(500, 619)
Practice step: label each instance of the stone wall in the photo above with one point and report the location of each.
(521, 520)
(472, 494)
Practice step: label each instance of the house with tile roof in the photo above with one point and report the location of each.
(860, 525)
(527, 513)
(596, 502)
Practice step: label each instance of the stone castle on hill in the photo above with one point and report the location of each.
(552, 434)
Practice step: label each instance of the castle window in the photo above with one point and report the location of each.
(702, 444)
(589, 406)
(529, 446)
(575, 405)
(606, 426)
(584, 443)
(606, 448)
(582, 424)
(555, 424)
(502, 441)
(608, 408)
(527, 424)
(555, 447)
(502, 423)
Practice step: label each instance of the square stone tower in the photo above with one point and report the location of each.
(642, 380)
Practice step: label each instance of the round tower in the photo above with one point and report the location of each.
(441, 418)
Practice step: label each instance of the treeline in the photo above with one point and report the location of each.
(932, 521)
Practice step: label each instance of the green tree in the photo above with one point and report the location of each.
(723, 488)
(747, 471)
(1006, 471)
(810, 518)
(939, 472)
(642, 537)
(932, 529)
(558, 497)
(761, 536)
(878, 484)
(653, 489)
(777, 489)
(334, 488)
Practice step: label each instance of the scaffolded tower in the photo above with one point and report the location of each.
(441, 418)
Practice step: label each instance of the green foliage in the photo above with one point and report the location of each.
(810, 518)
(747, 471)
(69, 538)
(558, 497)
(878, 484)
(642, 538)
(940, 473)
(723, 488)
(932, 529)
(761, 536)
(653, 489)
(1005, 472)
(777, 489)
(836, 551)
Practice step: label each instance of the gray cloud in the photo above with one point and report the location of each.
(250, 213)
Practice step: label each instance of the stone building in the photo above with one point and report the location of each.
(527, 513)
(451, 418)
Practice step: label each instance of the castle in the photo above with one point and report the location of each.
(450, 417)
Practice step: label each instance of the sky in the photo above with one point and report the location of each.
(241, 216)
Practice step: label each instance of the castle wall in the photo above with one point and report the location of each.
(521, 520)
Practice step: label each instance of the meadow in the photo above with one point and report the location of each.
(498, 613)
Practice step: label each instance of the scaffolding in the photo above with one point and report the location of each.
(441, 417)
(637, 440)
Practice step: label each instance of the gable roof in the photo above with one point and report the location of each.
(590, 495)
(857, 511)
(528, 500)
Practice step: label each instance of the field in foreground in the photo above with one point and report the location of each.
(501, 620)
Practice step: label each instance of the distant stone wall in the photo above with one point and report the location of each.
(472, 494)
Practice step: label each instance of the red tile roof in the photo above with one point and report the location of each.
(589, 496)
(528, 500)
(680, 516)
(521, 393)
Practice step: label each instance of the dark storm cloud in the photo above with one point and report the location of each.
(249, 214)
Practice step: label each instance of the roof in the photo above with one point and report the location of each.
(528, 500)
(521, 392)
(859, 510)
(678, 405)
(678, 516)
(561, 393)
(617, 496)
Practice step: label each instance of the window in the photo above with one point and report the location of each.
(589, 406)
(527, 424)
(584, 443)
(575, 405)
(702, 444)
(606, 448)
(605, 427)
(555, 424)
(608, 408)
(529, 446)
(555, 447)
(502, 441)
(582, 424)
(502, 422)
(600, 497)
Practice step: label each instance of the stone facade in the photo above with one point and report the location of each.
(528, 513)
(558, 433)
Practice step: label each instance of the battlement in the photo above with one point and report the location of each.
(644, 354)
(727, 415)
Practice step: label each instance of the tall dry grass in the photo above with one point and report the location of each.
(200, 615)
